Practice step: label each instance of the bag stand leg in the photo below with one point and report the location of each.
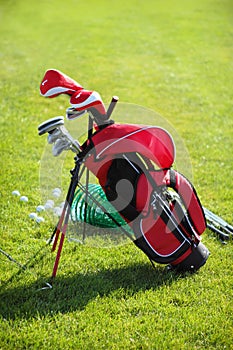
(63, 221)
(90, 131)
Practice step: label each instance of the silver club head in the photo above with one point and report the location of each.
(50, 125)
(59, 136)
(72, 113)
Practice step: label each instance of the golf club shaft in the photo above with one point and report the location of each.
(221, 234)
(218, 220)
(12, 259)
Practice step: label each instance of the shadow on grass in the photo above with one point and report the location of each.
(75, 292)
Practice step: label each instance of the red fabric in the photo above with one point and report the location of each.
(158, 236)
(157, 145)
(55, 83)
(154, 230)
(144, 189)
(84, 99)
(182, 257)
(191, 202)
(80, 96)
(152, 142)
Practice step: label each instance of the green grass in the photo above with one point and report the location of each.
(174, 58)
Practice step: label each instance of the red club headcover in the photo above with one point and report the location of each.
(84, 99)
(55, 83)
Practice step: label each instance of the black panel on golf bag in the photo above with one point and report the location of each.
(122, 178)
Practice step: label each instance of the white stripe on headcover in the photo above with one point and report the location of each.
(92, 98)
(55, 91)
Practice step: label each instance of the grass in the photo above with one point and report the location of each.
(172, 58)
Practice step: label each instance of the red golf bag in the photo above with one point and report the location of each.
(133, 164)
(161, 206)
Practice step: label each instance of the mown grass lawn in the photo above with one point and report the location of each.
(174, 58)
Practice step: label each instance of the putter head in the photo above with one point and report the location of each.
(50, 125)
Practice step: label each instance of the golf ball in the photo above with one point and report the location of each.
(16, 193)
(40, 208)
(24, 198)
(56, 192)
(49, 204)
(39, 219)
(33, 216)
(50, 201)
(57, 211)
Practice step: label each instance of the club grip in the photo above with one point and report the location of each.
(112, 105)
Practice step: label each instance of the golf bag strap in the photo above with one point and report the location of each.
(190, 199)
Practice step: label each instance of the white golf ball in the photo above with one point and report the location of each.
(57, 211)
(50, 201)
(56, 192)
(16, 193)
(39, 219)
(33, 216)
(40, 208)
(57, 189)
(48, 206)
(24, 198)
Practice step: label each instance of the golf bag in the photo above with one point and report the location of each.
(133, 164)
(161, 206)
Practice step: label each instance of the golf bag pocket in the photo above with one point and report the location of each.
(159, 242)
(168, 228)
(189, 197)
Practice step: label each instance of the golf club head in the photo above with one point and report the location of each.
(54, 135)
(72, 113)
(50, 125)
(58, 135)
(60, 145)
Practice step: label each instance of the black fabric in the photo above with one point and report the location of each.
(121, 174)
(195, 260)
(172, 178)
